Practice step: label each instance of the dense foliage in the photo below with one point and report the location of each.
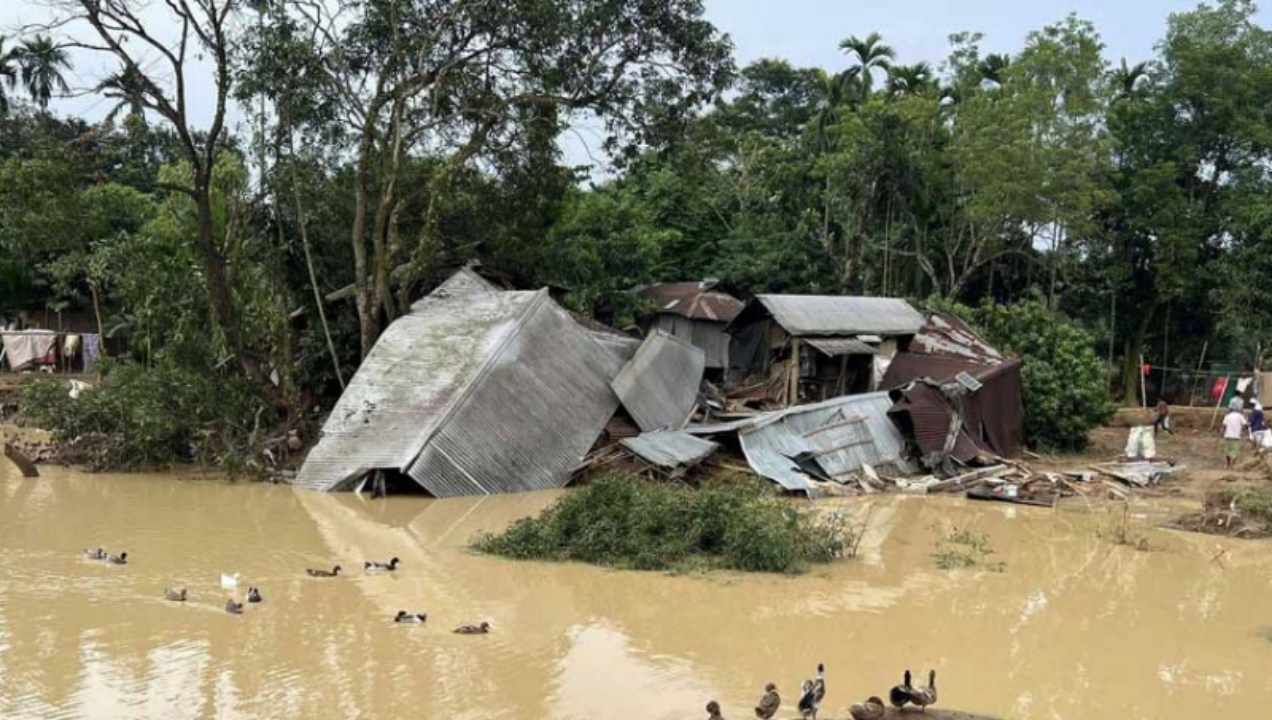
(141, 417)
(622, 521)
(1063, 384)
(398, 139)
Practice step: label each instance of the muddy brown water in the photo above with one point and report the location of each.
(1075, 628)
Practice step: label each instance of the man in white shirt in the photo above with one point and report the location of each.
(1234, 423)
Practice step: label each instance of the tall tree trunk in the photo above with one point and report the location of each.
(220, 297)
(368, 324)
(1131, 368)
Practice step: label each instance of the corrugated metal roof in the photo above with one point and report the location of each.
(476, 391)
(409, 381)
(691, 300)
(843, 434)
(670, 449)
(659, 386)
(948, 336)
(802, 315)
(530, 417)
(837, 346)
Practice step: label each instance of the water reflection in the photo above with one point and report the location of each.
(1074, 628)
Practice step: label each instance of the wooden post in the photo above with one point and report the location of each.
(792, 391)
(1143, 384)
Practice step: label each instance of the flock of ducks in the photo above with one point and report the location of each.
(253, 595)
(814, 691)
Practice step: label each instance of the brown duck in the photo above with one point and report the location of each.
(871, 709)
(769, 704)
(323, 573)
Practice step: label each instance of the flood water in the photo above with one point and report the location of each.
(1074, 628)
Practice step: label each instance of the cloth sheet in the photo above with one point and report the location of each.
(1140, 443)
(29, 346)
(92, 349)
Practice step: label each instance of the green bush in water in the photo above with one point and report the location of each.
(622, 521)
(140, 417)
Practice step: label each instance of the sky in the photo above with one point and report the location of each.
(807, 32)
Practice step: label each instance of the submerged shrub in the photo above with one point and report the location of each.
(622, 521)
(142, 417)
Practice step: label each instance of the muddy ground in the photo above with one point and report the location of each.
(1194, 444)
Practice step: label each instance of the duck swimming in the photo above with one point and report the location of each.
(375, 567)
(120, 559)
(324, 573)
(406, 617)
(481, 629)
(254, 595)
(233, 608)
(94, 553)
(175, 595)
(871, 709)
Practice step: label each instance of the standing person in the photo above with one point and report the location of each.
(1163, 418)
(1233, 425)
(1256, 419)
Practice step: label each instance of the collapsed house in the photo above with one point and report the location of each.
(956, 397)
(479, 391)
(808, 348)
(829, 441)
(696, 313)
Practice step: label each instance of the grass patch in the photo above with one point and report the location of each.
(960, 548)
(621, 521)
(1243, 512)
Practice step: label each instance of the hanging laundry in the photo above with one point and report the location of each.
(28, 347)
(92, 349)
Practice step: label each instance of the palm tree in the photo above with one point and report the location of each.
(8, 74)
(126, 88)
(1127, 79)
(909, 79)
(42, 63)
(993, 68)
(870, 53)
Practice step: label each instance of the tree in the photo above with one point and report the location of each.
(156, 74)
(910, 79)
(42, 63)
(871, 54)
(8, 75)
(456, 79)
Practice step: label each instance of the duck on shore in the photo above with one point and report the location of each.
(769, 703)
(481, 629)
(406, 617)
(814, 692)
(175, 595)
(254, 595)
(924, 696)
(323, 573)
(713, 711)
(233, 608)
(377, 567)
(900, 695)
(871, 709)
